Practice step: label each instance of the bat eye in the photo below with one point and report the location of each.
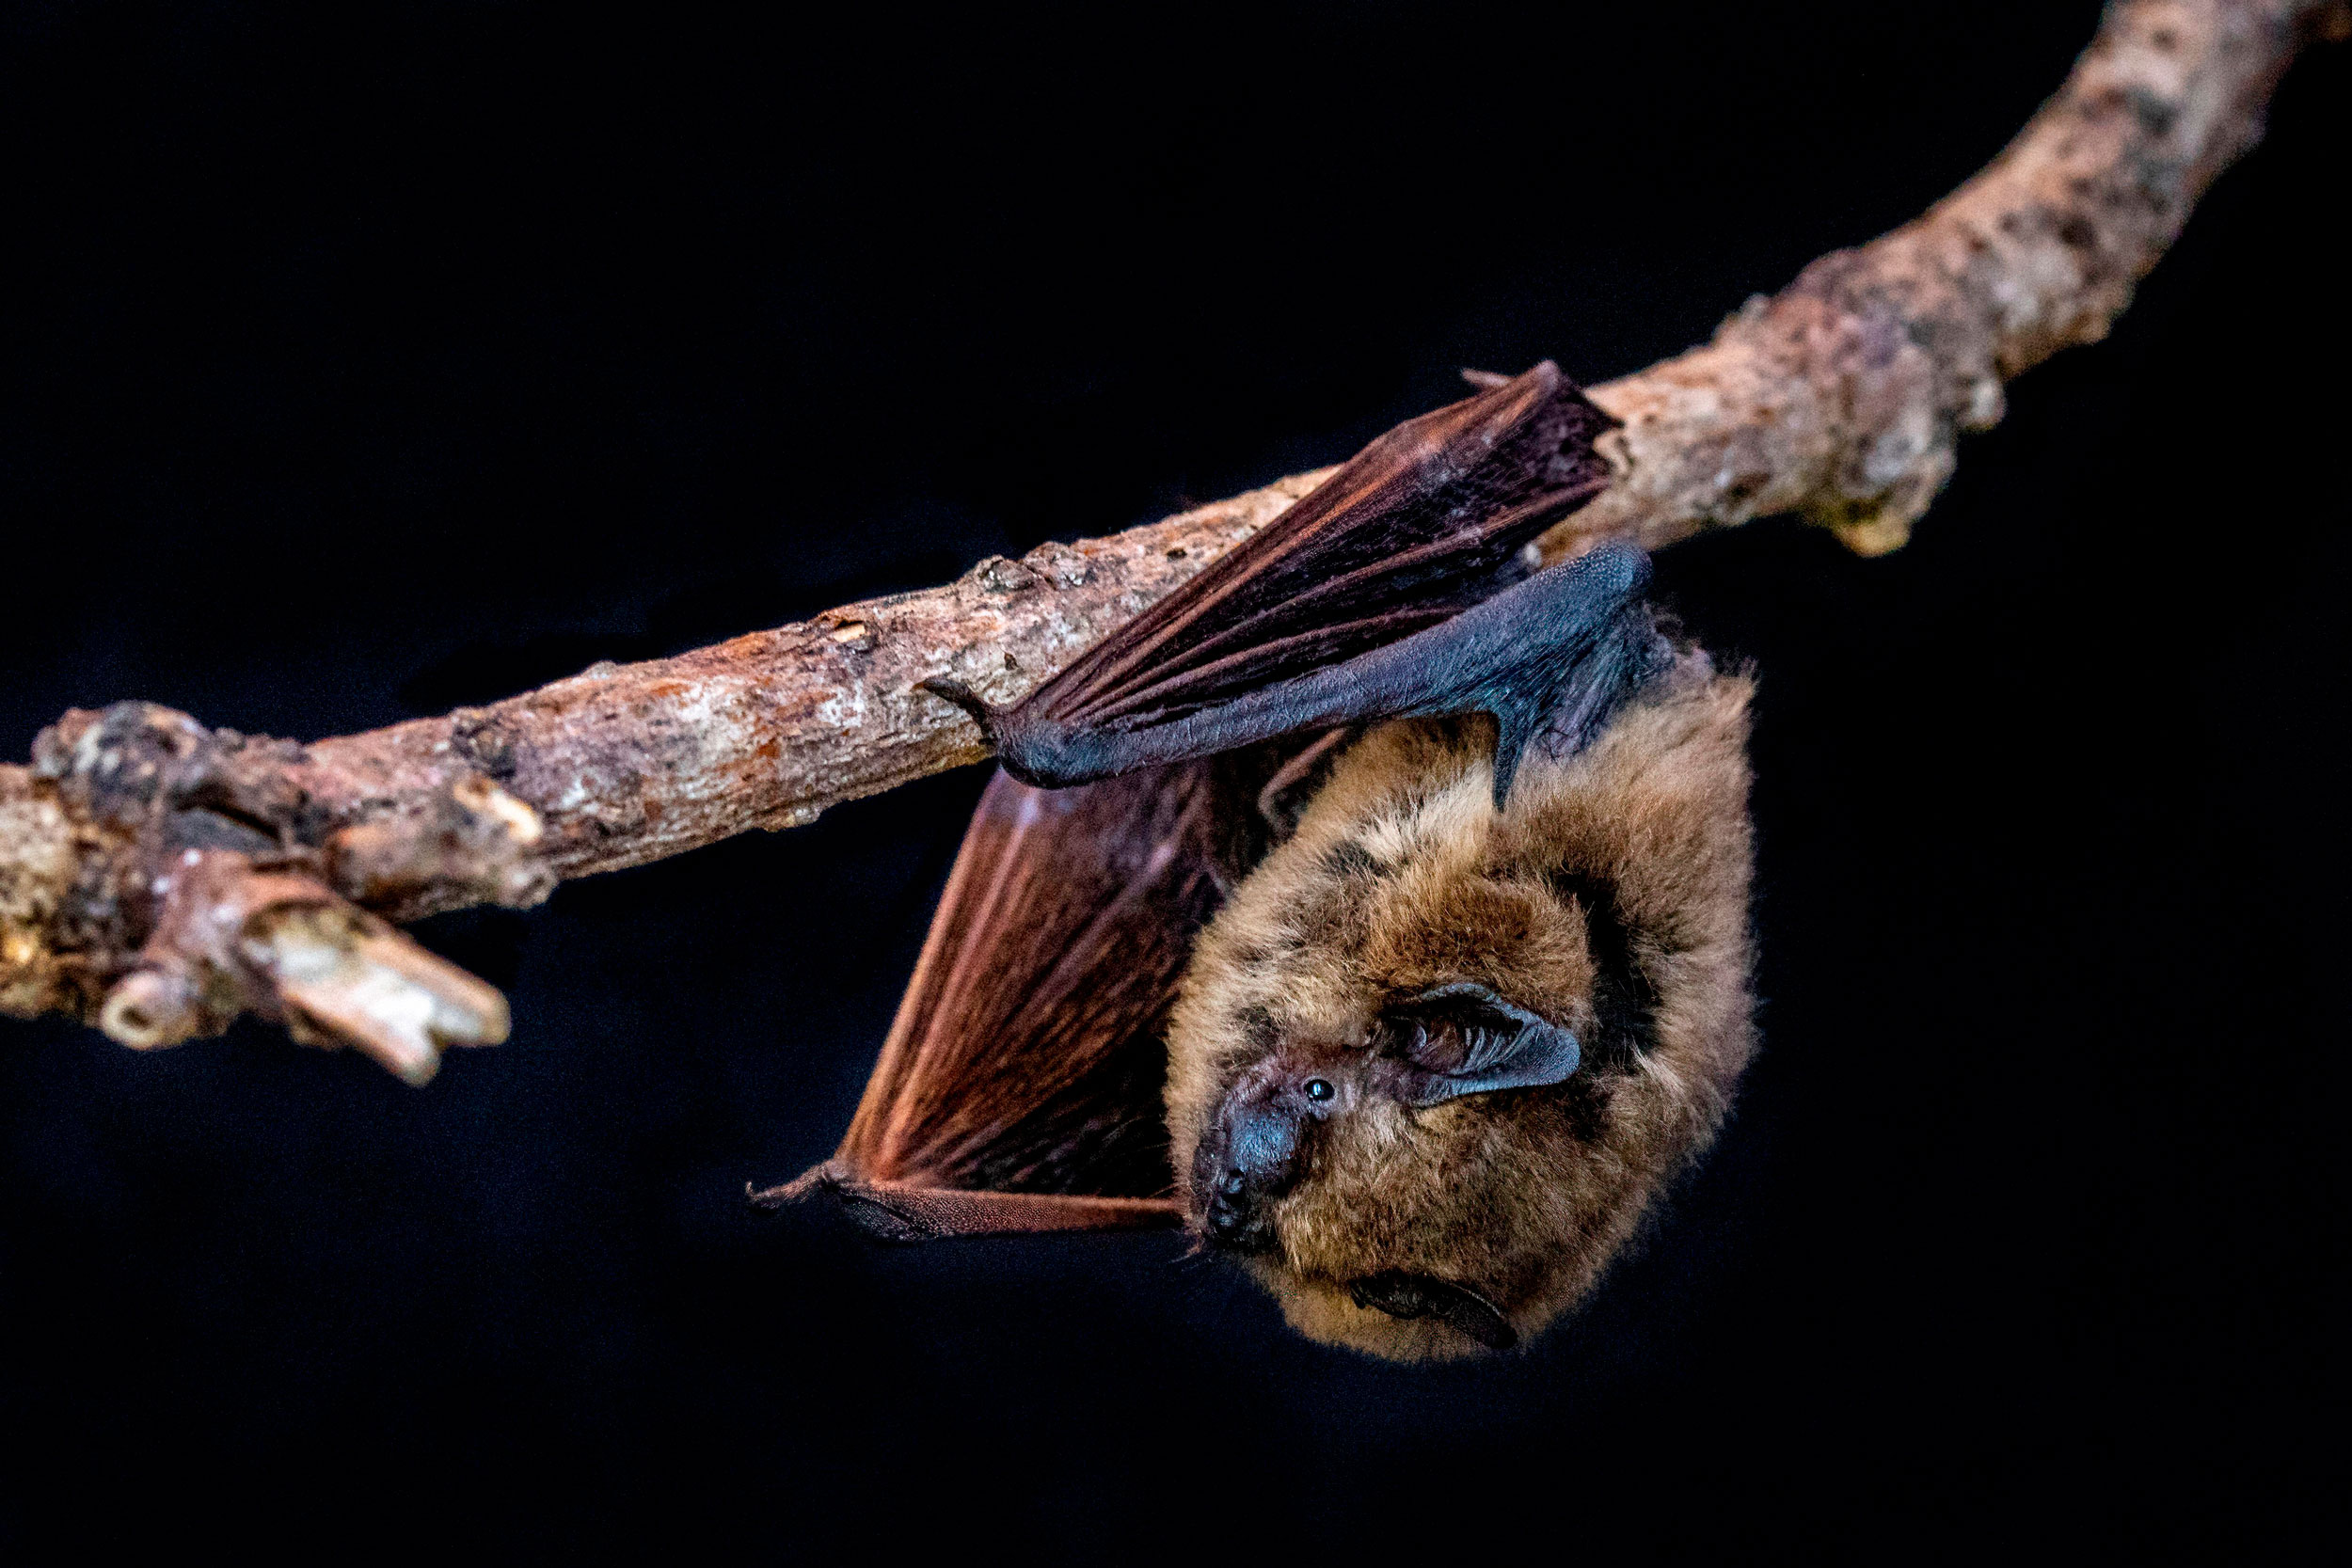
(1318, 1089)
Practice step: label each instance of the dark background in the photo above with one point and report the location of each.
(360, 365)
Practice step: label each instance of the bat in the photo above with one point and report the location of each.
(1374, 907)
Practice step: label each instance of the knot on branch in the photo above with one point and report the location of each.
(165, 876)
(154, 778)
(232, 939)
(473, 837)
(1890, 408)
(137, 765)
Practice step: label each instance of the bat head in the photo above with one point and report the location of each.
(1432, 1061)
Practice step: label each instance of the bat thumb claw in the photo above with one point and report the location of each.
(964, 698)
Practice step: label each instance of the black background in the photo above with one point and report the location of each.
(359, 365)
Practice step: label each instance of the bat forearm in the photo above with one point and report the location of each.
(1842, 398)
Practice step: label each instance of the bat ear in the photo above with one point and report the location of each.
(1418, 1296)
(1463, 1040)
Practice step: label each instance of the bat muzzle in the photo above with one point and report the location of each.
(1256, 1147)
(1250, 1159)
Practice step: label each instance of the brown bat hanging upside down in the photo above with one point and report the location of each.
(1371, 906)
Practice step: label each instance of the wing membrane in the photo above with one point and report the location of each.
(1425, 521)
(1423, 524)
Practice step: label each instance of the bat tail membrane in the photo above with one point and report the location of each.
(1550, 658)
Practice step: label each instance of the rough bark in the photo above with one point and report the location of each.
(1843, 397)
(157, 878)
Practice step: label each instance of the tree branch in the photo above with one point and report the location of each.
(157, 878)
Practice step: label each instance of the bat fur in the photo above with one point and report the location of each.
(1609, 896)
(1462, 1014)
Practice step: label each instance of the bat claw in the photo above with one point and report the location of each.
(965, 698)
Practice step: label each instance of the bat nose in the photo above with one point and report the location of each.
(1250, 1156)
(1262, 1149)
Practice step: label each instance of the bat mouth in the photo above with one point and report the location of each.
(1227, 1214)
(1252, 1236)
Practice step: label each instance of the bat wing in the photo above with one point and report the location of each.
(1375, 597)
(1019, 1086)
